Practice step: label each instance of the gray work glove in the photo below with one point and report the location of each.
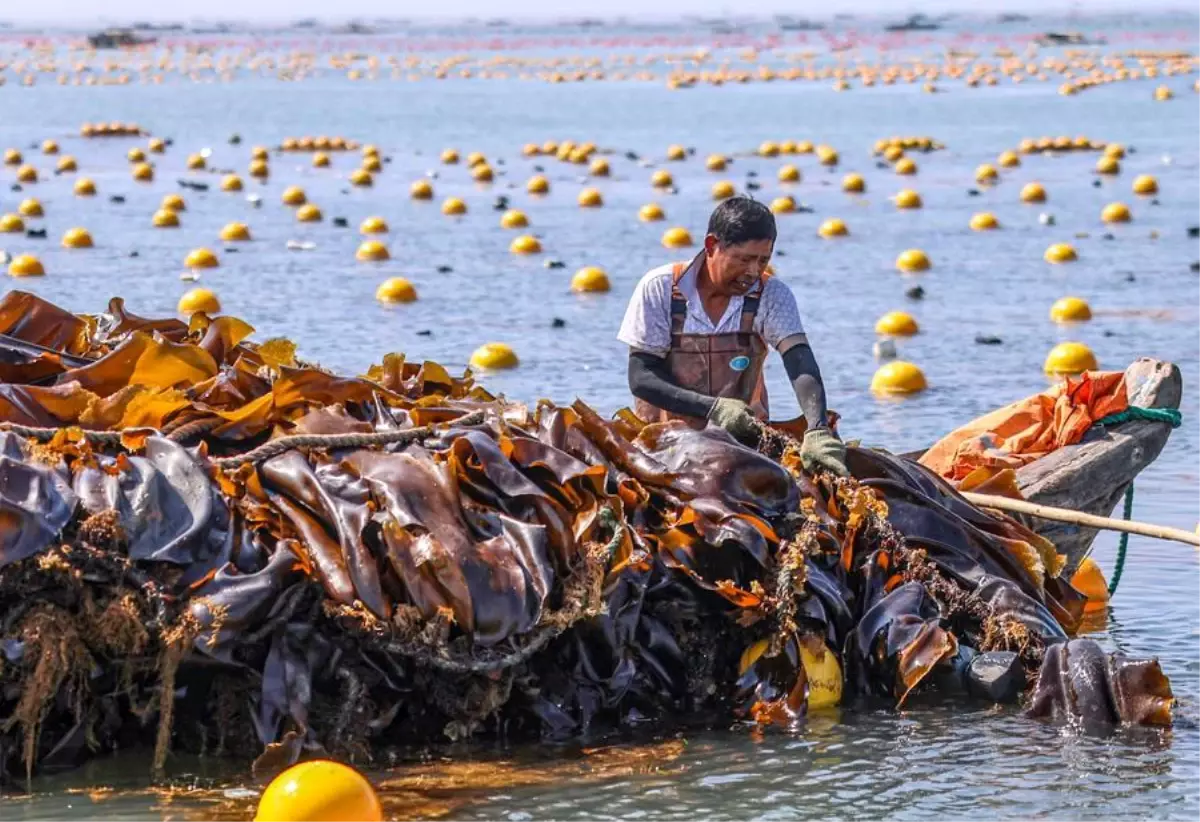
(735, 417)
(822, 451)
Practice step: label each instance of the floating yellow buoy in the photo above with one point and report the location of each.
(525, 244)
(1008, 159)
(482, 173)
(372, 164)
(549, 147)
(66, 163)
(362, 177)
(1145, 184)
(1115, 150)
(449, 156)
(320, 160)
(914, 259)
(1163, 93)
(676, 153)
(77, 238)
(589, 280)
(854, 184)
(833, 227)
(196, 162)
(85, 187)
(893, 153)
(1116, 213)
(907, 198)
(420, 190)
(661, 179)
(165, 218)
(984, 221)
(537, 184)
(396, 290)
(136, 155)
(1108, 164)
(231, 182)
(783, 205)
(1060, 253)
(30, 207)
(1089, 580)
(293, 196)
(26, 265)
(599, 167)
(494, 356)
(896, 324)
(769, 149)
(1033, 193)
(201, 258)
(453, 205)
(1070, 310)
(143, 172)
(513, 218)
(198, 299)
(27, 174)
(476, 158)
(259, 169)
(309, 213)
(827, 156)
(370, 150)
(651, 212)
(372, 251)
(789, 174)
(12, 157)
(804, 147)
(235, 233)
(676, 237)
(259, 153)
(986, 173)
(373, 225)
(898, 377)
(531, 150)
(723, 190)
(1069, 358)
(715, 162)
(12, 224)
(590, 198)
(905, 165)
(319, 791)
(173, 202)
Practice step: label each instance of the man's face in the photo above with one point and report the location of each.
(734, 269)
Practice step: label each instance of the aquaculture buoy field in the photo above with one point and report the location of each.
(489, 199)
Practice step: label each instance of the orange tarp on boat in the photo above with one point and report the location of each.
(1030, 428)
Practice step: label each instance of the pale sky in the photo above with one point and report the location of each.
(81, 13)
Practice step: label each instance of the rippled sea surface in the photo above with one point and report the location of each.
(927, 762)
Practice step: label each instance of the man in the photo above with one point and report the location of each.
(698, 335)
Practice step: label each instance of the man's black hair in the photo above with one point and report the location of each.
(741, 220)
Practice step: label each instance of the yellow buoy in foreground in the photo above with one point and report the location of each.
(143, 172)
(1060, 253)
(12, 224)
(905, 166)
(896, 324)
(362, 178)
(723, 190)
(77, 238)
(201, 258)
(676, 237)
(396, 290)
(235, 232)
(662, 179)
(372, 163)
(31, 207)
(907, 198)
(590, 198)
(165, 218)
(854, 184)
(898, 377)
(231, 182)
(420, 190)
(85, 187)
(513, 218)
(1033, 193)
(525, 244)
(1145, 184)
(986, 173)
(136, 155)
(676, 153)
(715, 162)
(1069, 358)
(482, 173)
(309, 213)
(650, 213)
(449, 156)
(789, 174)
(293, 196)
(1107, 164)
(372, 251)
(49, 147)
(833, 227)
(984, 221)
(537, 184)
(1008, 159)
(198, 299)
(319, 791)
(259, 170)
(196, 162)
(1116, 213)
(590, 280)
(173, 202)
(827, 155)
(783, 205)
(599, 167)
(67, 163)
(1070, 310)
(373, 225)
(320, 160)
(453, 206)
(914, 259)
(26, 265)
(494, 356)
(27, 174)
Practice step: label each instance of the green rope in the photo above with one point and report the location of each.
(1133, 412)
(1122, 544)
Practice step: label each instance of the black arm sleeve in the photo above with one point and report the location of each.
(802, 370)
(650, 380)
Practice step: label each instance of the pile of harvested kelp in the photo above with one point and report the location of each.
(208, 544)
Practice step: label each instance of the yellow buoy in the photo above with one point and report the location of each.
(31, 207)
(525, 244)
(12, 157)
(143, 172)
(494, 356)
(235, 233)
(66, 163)
(599, 167)
(907, 198)
(676, 153)
(77, 238)
(789, 174)
(259, 170)
(12, 224)
(905, 165)
(173, 202)
(1060, 253)
(1070, 310)
(320, 160)
(165, 218)
(914, 259)
(590, 198)
(196, 162)
(854, 184)
(157, 145)
(986, 173)
(319, 791)
(1107, 164)
(198, 299)
(453, 205)
(373, 225)
(361, 177)
(549, 147)
(1145, 184)
(136, 155)
(723, 190)
(833, 227)
(396, 290)
(804, 147)
(449, 156)
(201, 258)
(893, 153)
(482, 173)
(1163, 93)
(293, 196)
(896, 324)
(372, 251)
(1116, 213)
(1008, 159)
(372, 164)
(1115, 150)
(769, 149)
(85, 187)
(27, 174)
(531, 150)
(783, 205)
(513, 218)
(260, 153)
(49, 147)
(231, 182)
(537, 184)
(590, 280)
(984, 221)
(676, 237)
(420, 190)
(898, 377)
(651, 212)
(1069, 358)
(715, 162)
(661, 179)
(309, 213)
(476, 158)
(26, 265)
(827, 156)
(1033, 193)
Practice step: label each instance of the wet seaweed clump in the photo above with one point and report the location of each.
(208, 544)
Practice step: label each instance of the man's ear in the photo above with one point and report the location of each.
(710, 244)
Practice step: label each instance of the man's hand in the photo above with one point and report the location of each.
(822, 451)
(735, 417)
